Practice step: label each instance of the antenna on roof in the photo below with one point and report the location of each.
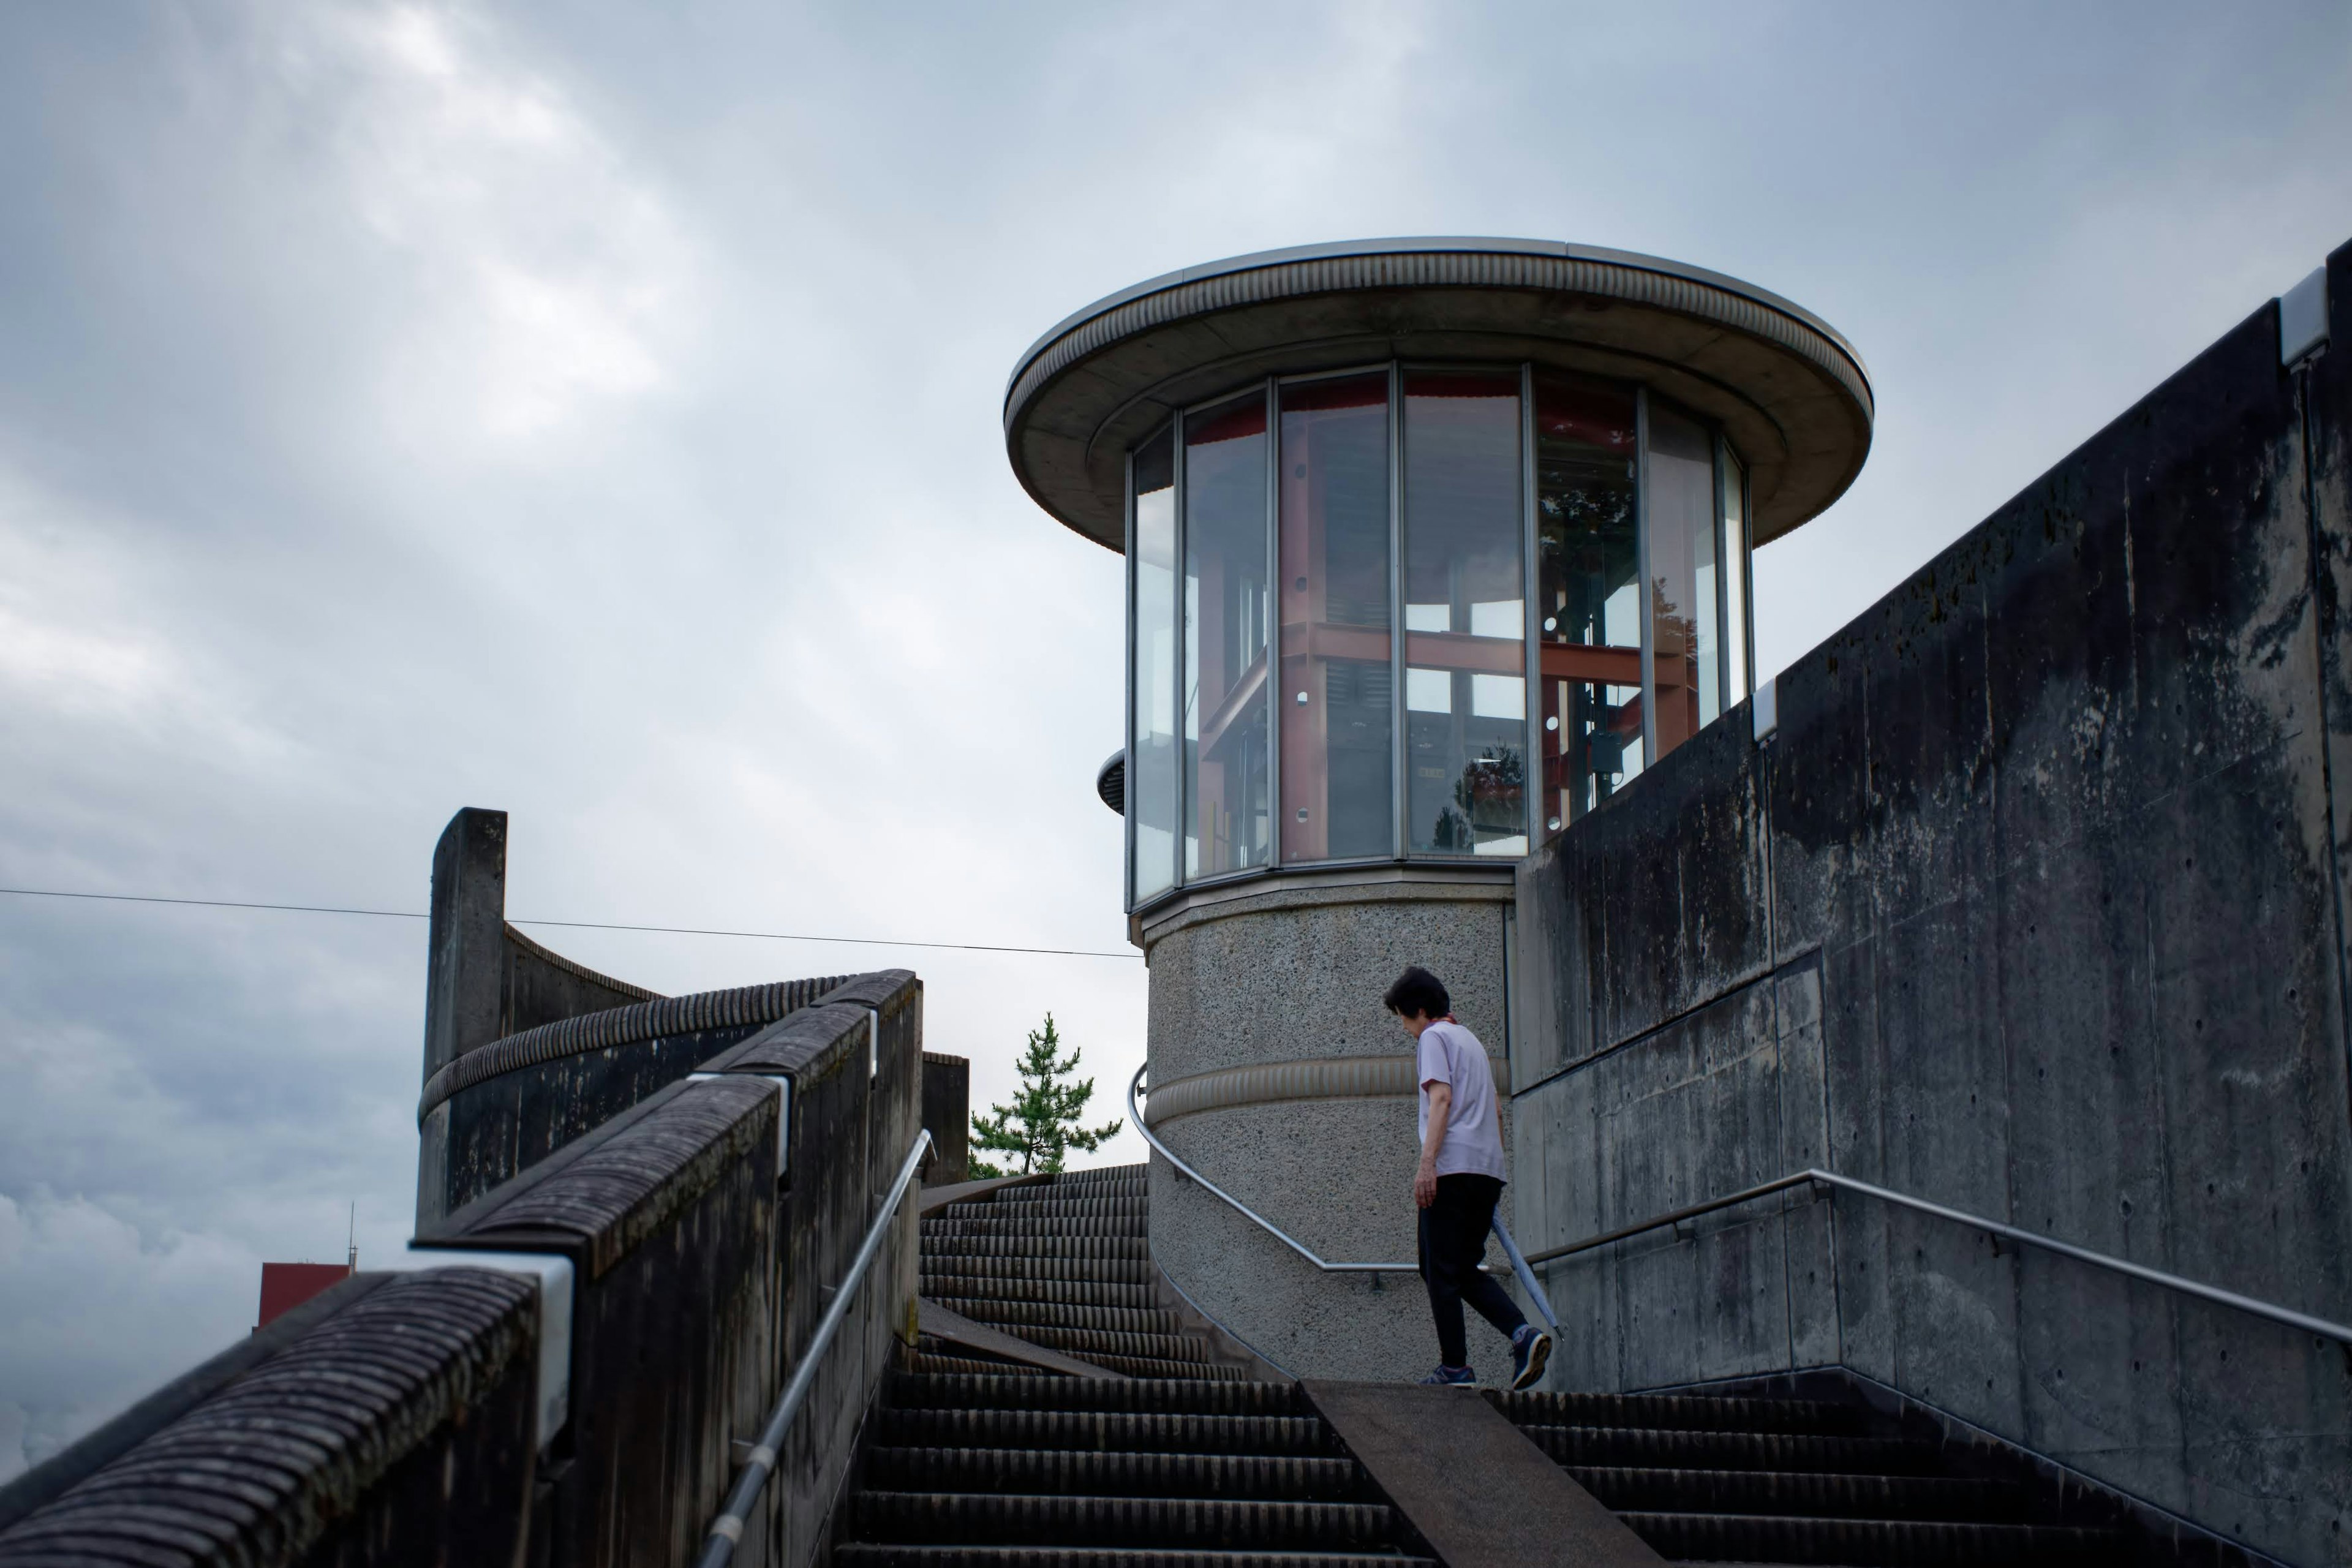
(352, 1260)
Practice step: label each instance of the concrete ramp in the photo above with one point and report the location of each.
(1476, 1488)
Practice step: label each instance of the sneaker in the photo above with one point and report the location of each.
(1452, 1377)
(1530, 1349)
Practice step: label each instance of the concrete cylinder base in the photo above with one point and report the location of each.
(1286, 974)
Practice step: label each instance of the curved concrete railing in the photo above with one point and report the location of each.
(747, 1005)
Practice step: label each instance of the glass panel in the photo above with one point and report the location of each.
(1465, 615)
(1587, 576)
(1686, 683)
(1225, 753)
(1735, 580)
(1337, 685)
(1152, 756)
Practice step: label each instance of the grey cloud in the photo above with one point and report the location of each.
(591, 410)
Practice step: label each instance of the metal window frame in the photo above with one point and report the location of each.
(1730, 469)
(1400, 780)
(1133, 625)
(1173, 430)
(1531, 790)
(1722, 577)
(1747, 562)
(1180, 642)
(1641, 606)
(1404, 367)
(1275, 807)
(1369, 367)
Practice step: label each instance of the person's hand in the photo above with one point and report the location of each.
(1424, 1184)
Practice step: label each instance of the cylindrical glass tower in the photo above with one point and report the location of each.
(1433, 546)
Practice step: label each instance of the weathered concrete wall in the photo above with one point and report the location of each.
(1293, 973)
(484, 980)
(391, 1420)
(946, 1116)
(2031, 908)
(856, 1107)
(501, 1108)
(466, 945)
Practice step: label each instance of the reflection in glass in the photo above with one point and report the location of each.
(1336, 689)
(1465, 615)
(1686, 680)
(1151, 754)
(1735, 580)
(1225, 613)
(1588, 575)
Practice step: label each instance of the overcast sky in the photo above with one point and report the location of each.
(591, 410)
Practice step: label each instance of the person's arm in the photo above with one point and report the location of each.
(1424, 1177)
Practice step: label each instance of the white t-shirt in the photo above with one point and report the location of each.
(1450, 1054)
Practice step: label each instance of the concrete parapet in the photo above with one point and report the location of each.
(2031, 907)
(947, 1112)
(395, 1420)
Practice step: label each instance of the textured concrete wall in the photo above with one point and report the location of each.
(466, 945)
(1294, 972)
(946, 1115)
(390, 1420)
(2031, 908)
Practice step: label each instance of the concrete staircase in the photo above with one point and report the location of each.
(1064, 1264)
(1183, 1463)
(1793, 1481)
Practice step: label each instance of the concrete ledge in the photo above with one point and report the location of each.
(935, 1198)
(942, 1324)
(1478, 1491)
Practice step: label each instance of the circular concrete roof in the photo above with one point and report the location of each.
(1788, 390)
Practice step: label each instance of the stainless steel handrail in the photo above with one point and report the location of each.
(1510, 1249)
(719, 1547)
(1816, 1178)
(1135, 1115)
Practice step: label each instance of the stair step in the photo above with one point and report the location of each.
(1173, 1349)
(1215, 1523)
(1915, 1498)
(1871, 1543)
(1068, 1292)
(951, 1228)
(1105, 1206)
(1130, 1173)
(1127, 1271)
(1118, 1249)
(910, 1391)
(1126, 1473)
(1063, 1315)
(1685, 1412)
(1653, 1449)
(1152, 1368)
(865, 1555)
(1113, 1431)
(944, 1360)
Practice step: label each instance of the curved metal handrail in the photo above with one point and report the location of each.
(719, 1546)
(1818, 1179)
(1510, 1249)
(1134, 1116)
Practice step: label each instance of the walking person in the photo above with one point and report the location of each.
(1458, 1182)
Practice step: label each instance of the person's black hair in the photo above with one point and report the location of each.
(1418, 990)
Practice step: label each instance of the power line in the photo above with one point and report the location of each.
(572, 925)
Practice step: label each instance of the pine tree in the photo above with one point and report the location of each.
(1041, 1125)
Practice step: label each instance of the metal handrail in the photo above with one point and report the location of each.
(719, 1547)
(1510, 1249)
(1818, 1179)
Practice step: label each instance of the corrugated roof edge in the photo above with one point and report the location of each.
(1405, 245)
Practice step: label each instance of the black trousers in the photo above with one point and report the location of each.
(1453, 1242)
